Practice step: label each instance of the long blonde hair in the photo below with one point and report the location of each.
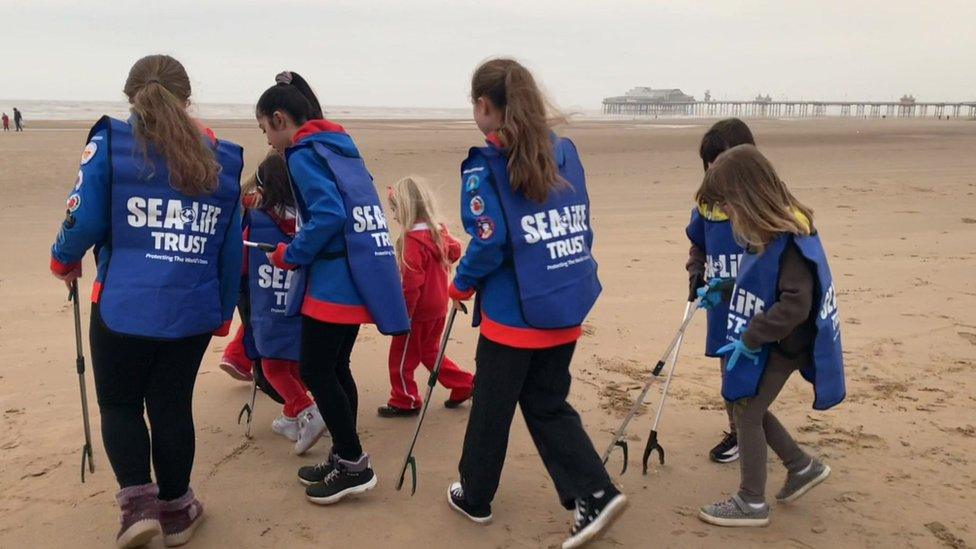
(413, 203)
(745, 185)
(525, 132)
(158, 89)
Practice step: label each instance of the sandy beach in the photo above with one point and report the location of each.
(895, 201)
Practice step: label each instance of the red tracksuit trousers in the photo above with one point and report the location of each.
(422, 349)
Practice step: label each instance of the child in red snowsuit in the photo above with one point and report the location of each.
(425, 252)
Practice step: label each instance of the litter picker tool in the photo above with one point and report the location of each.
(260, 245)
(410, 461)
(248, 408)
(652, 442)
(618, 437)
(86, 450)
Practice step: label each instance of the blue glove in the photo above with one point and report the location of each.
(738, 350)
(711, 293)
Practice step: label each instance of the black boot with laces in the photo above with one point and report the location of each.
(594, 514)
(345, 479)
(310, 474)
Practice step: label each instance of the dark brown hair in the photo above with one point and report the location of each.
(159, 92)
(272, 180)
(723, 135)
(525, 131)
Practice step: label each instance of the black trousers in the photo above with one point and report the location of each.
(537, 380)
(324, 367)
(133, 375)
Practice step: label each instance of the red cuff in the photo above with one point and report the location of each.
(459, 295)
(223, 330)
(278, 258)
(61, 270)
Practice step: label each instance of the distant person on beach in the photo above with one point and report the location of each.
(524, 204)
(6, 122)
(715, 254)
(782, 318)
(425, 252)
(18, 120)
(168, 245)
(345, 275)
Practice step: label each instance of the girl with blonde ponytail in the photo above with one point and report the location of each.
(157, 196)
(425, 251)
(525, 205)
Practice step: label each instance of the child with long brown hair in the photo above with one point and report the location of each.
(525, 205)
(425, 251)
(157, 196)
(782, 318)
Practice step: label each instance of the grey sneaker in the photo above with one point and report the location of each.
(734, 512)
(798, 484)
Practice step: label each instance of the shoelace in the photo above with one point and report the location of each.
(305, 420)
(330, 478)
(582, 514)
(458, 493)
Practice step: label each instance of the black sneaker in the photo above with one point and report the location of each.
(726, 451)
(345, 479)
(594, 514)
(455, 498)
(452, 403)
(393, 411)
(310, 474)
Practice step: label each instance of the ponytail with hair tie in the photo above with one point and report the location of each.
(161, 120)
(291, 94)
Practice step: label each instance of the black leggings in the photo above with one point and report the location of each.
(538, 381)
(133, 372)
(324, 367)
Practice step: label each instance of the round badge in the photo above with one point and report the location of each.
(88, 153)
(485, 226)
(73, 202)
(477, 205)
(472, 183)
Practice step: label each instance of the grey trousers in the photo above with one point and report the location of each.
(757, 426)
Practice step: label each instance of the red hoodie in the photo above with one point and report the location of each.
(424, 276)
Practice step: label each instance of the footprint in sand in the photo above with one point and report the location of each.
(968, 336)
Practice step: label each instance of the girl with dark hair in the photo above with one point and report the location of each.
(157, 196)
(525, 205)
(345, 274)
(714, 253)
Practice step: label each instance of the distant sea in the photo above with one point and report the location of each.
(91, 110)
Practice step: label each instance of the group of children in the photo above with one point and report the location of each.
(333, 267)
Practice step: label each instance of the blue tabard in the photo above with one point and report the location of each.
(162, 280)
(276, 335)
(551, 242)
(372, 260)
(722, 257)
(756, 290)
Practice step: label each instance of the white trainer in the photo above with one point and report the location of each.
(286, 427)
(311, 427)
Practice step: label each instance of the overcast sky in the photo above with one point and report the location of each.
(422, 53)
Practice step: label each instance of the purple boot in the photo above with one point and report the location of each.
(180, 517)
(140, 515)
